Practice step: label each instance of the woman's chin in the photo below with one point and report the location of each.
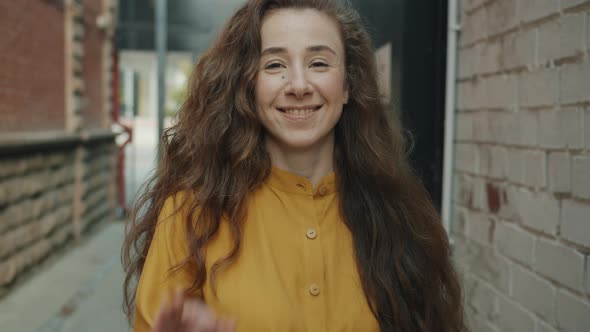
(299, 144)
(296, 142)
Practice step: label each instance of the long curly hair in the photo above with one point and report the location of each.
(216, 153)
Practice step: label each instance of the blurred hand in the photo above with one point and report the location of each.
(182, 315)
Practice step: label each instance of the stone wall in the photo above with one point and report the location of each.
(36, 203)
(521, 222)
(98, 192)
(52, 195)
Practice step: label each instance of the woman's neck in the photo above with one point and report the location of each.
(313, 162)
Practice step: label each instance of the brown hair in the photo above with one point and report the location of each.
(216, 153)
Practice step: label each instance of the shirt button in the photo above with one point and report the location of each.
(311, 234)
(323, 190)
(314, 289)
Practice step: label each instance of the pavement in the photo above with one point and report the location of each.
(80, 291)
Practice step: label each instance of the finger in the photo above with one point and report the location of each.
(226, 325)
(189, 316)
(164, 319)
(178, 304)
(198, 317)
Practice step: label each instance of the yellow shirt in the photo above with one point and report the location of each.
(296, 269)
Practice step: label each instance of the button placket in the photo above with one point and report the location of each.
(314, 278)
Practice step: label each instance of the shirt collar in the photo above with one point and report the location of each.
(292, 183)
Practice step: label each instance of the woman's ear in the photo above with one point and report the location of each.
(345, 101)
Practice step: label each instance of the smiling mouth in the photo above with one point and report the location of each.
(299, 111)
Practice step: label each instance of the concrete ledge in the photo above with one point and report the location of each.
(26, 142)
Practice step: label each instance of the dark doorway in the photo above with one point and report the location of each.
(416, 31)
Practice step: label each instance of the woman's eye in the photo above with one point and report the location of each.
(319, 64)
(274, 65)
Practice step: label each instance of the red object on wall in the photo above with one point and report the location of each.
(116, 119)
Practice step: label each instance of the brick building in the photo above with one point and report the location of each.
(521, 222)
(57, 149)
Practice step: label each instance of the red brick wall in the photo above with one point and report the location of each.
(31, 65)
(92, 72)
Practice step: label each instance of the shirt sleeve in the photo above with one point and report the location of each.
(167, 249)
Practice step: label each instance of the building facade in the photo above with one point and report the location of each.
(521, 226)
(57, 149)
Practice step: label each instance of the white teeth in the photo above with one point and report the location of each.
(298, 112)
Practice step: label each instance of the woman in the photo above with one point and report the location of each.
(284, 200)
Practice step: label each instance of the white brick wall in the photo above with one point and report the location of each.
(544, 327)
(488, 56)
(574, 83)
(552, 126)
(492, 161)
(581, 176)
(522, 235)
(586, 121)
(515, 166)
(518, 49)
(533, 292)
(559, 172)
(466, 158)
(526, 128)
(479, 200)
(481, 126)
(514, 318)
(502, 91)
(509, 203)
(466, 62)
(535, 169)
(561, 38)
(572, 312)
(475, 27)
(463, 190)
(464, 126)
(459, 217)
(472, 95)
(567, 4)
(501, 16)
(479, 227)
(514, 242)
(531, 10)
(482, 298)
(573, 128)
(538, 88)
(538, 211)
(560, 263)
(575, 222)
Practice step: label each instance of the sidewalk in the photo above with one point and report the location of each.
(82, 291)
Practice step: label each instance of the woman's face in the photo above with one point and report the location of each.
(300, 86)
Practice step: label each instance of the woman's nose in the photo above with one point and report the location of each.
(298, 85)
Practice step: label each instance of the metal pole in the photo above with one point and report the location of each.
(161, 32)
(453, 29)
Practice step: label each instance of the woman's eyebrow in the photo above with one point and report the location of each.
(273, 50)
(311, 49)
(320, 48)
